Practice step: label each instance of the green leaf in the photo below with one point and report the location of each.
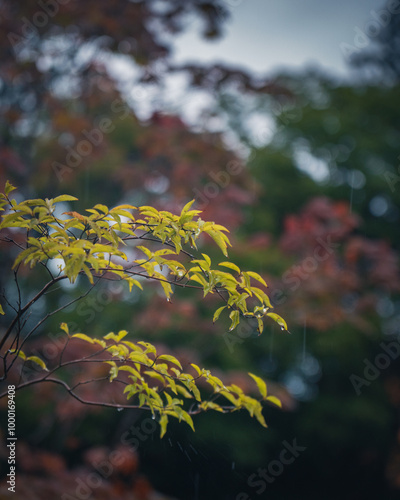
(64, 197)
(139, 357)
(132, 282)
(259, 416)
(217, 313)
(111, 336)
(182, 390)
(262, 386)
(146, 251)
(281, 322)
(82, 336)
(65, 328)
(113, 372)
(171, 359)
(38, 361)
(130, 207)
(151, 210)
(183, 415)
(8, 188)
(234, 316)
(149, 347)
(195, 390)
(166, 287)
(1, 310)
(22, 355)
(217, 237)
(230, 397)
(275, 401)
(196, 368)
(230, 265)
(129, 369)
(187, 206)
(207, 259)
(121, 334)
(215, 382)
(199, 279)
(257, 277)
(100, 342)
(101, 207)
(155, 375)
(119, 350)
(163, 425)
(209, 405)
(188, 419)
(171, 383)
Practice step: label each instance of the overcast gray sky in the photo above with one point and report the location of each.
(265, 35)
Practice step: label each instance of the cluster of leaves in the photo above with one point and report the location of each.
(156, 376)
(92, 245)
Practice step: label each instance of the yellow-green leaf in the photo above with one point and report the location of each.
(101, 207)
(275, 401)
(260, 325)
(230, 265)
(234, 316)
(82, 336)
(8, 188)
(256, 276)
(131, 207)
(22, 355)
(64, 327)
(131, 370)
(64, 197)
(139, 357)
(149, 347)
(187, 206)
(217, 237)
(38, 361)
(217, 313)
(121, 334)
(183, 415)
(262, 386)
(113, 372)
(259, 416)
(155, 375)
(163, 425)
(281, 322)
(209, 405)
(196, 368)
(182, 390)
(171, 359)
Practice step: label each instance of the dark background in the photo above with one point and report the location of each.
(317, 161)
